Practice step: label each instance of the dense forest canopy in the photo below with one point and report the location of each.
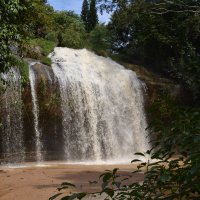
(163, 34)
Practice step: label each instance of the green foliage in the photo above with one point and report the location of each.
(89, 15)
(99, 40)
(100, 37)
(71, 39)
(22, 20)
(175, 132)
(19, 20)
(71, 30)
(161, 34)
(84, 13)
(46, 45)
(45, 60)
(10, 33)
(92, 16)
(24, 71)
(52, 36)
(40, 18)
(172, 166)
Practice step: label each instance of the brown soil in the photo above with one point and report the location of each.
(40, 183)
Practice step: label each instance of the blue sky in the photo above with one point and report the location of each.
(74, 5)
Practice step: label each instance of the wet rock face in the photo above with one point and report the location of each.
(11, 123)
(20, 101)
(49, 116)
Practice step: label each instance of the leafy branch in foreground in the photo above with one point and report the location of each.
(172, 166)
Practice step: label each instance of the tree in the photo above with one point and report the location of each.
(19, 20)
(100, 38)
(163, 35)
(84, 13)
(89, 14)
(71, 29)
(12, 31)
(92, 15)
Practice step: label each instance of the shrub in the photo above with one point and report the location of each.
(52, 36)
(172, 166)
(46, 45)
(45, 60)
(71, 39)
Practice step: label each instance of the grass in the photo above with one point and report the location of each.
(24, 71)
(45, 60)
(46, 45)
(46, 48)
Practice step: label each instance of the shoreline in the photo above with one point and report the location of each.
(40, 183)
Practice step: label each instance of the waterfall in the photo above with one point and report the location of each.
(84, 108)
(11, 120)
(35, 110)
(102, 107)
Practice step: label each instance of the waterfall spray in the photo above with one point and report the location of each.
(32, 77)
(12, 139)
(102, 107)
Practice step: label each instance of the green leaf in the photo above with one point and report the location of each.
(68, 184)
(140, 154)
(104, 184)
(81, 195)
(115, 171)
(194, 169)
(62, 188)
(136, 160)
(66, 198)
(143, 164)
(109, 191)
(106, 176)
(69, 197)
(55, 196)
(136, 171)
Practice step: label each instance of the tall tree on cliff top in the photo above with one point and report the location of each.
(92, 15)
(84, 13)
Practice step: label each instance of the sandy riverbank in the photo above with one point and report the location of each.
(40, 183)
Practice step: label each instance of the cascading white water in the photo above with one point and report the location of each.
(32, 78)
(11, 123)
(102, 107)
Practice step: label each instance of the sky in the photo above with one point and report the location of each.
(74, 5)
